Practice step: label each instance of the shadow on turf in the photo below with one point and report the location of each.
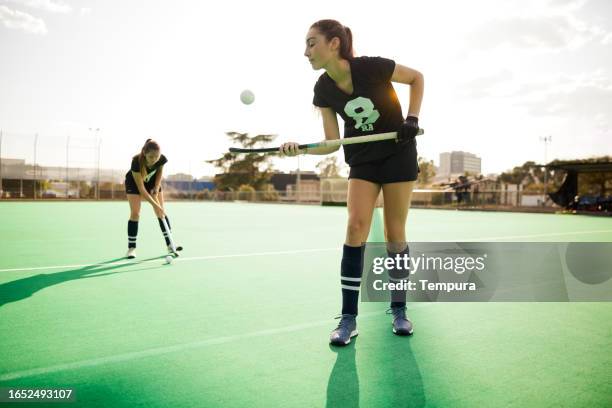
(20, 289)
(396, 376)
(343, 383)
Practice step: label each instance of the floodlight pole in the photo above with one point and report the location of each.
(67, 164)
(298, 181)
(1, 190)
(34, 167)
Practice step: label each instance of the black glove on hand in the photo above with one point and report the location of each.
(408, 130)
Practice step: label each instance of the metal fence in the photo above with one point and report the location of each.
(34, 167)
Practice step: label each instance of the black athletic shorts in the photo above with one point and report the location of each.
(400, 166)
(131, 188)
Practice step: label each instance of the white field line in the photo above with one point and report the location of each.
(297, 251)
(181, 259)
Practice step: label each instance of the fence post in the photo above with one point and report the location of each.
(1, 189)
(34, 167)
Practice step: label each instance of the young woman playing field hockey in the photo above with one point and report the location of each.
(144, 181)
(359, 89)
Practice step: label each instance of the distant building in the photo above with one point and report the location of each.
(186, 183)
(309, 186)
(280, 181)
(457, 163)
(179, 177)
(60, 189)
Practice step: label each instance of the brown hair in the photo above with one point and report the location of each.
(149, 146)
(333, 28)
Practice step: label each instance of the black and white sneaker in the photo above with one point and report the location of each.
(346, 329)
(402, 326)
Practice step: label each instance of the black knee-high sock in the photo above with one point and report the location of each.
(161, 225)
(398, 297)
(168, 222)
(132, 233)
(350, 278)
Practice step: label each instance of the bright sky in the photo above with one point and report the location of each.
(499, 75)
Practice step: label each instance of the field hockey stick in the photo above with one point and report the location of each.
(326, 143)
(168, 234)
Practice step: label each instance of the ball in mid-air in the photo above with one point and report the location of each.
(247, 97)
(169, 259)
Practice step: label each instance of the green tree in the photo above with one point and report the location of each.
(251, 169)
(526, 174)
(269, 193)
(427, 172)
(329, 167)
(595, 184)
(246, 192)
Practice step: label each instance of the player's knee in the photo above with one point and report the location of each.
(357, 227)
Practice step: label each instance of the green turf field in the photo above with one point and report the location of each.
(242, 318)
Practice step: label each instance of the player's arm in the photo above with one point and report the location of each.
(415, 79)
(143, 191)
(331, 129)
(158, 179)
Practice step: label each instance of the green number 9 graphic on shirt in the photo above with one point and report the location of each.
(362, 111)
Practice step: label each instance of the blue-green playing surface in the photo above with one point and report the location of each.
(242, 318)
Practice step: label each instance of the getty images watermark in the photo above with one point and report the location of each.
(488, 271)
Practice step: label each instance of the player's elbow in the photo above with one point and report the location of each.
(418, 78)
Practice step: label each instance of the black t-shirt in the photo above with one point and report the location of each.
(373, 107)
(150, 170)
